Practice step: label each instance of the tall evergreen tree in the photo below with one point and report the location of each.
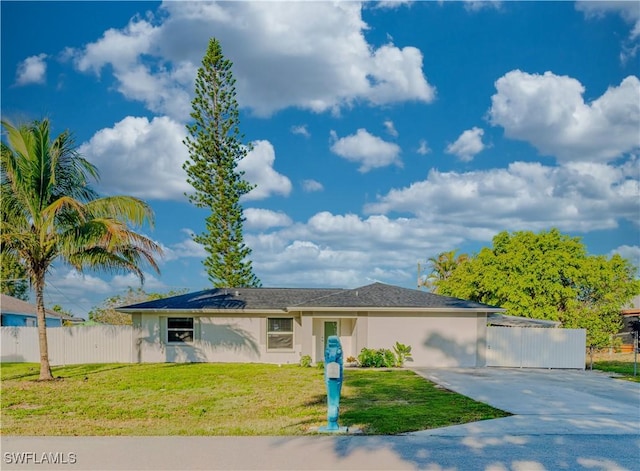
(215, 149)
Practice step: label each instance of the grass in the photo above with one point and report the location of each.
(622, 364)
(220, 399)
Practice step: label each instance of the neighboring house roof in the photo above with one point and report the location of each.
(633, 309)
(370, 297)
(11, 305)
(503, 320)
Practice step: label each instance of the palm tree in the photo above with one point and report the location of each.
(442, 267)
(50, 212)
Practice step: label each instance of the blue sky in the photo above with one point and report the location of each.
(383, 132)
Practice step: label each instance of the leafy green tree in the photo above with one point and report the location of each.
(13, 276)
(65, 312)
(442, 266)
(50, 212)
(548, 276)
(106, 313)
(215, 149)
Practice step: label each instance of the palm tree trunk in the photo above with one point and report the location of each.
(45, 368)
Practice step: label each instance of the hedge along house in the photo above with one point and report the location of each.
(280, 325)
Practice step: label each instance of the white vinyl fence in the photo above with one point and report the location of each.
(506, 346)
(526, 347)
(71, 345)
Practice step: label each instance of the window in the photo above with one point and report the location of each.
(180, 330)
(280, 333)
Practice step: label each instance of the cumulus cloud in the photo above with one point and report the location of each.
(186, 248)
(343, 250)
(477, 5)
(390, 127)
(281, 59)
(524, 196)
(467, 145)
(311, 186)
(300, 130)
(366, 149)
(630, 252)
(629, 11)
(549, 112)
(257, 218)
(258, 168)
(141, 158)
(32, 70)
(81, 292)
(423, 147)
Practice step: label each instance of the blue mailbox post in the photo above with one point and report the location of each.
(333, 379)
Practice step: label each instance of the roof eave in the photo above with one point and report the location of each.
(396, 309)
(201, 311)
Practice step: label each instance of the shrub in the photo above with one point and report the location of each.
(320, 365)
(305, 361)
(381, 358)
(403, 353)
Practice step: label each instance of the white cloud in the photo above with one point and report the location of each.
(524, 196)
(630, 252)
(32, 70)
(423, 147)
(258, 168)
(311, 186)
(367, 150)
(344, 250)
(186, 248)
(549, 112)
(300, 130)
(261, 219)
(81, 292)
(467, 145)
(477, 5)
(311, 55)
(141, 158)
(392, 4)
(391, 129)
(628, 10)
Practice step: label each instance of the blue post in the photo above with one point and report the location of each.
(333, 379)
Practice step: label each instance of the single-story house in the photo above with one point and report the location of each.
(630, 324)
(15, 312)
(280, 325)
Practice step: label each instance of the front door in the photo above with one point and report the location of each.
(330, 328)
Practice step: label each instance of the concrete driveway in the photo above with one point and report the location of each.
(544, 402)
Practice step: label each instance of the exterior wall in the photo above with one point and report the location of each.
(217, 339)
(346, 327)
(436, 340)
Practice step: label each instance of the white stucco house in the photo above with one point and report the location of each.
(280, 325)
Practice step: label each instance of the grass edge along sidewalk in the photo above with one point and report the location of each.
(221, 399)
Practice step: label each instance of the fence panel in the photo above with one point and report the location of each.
(523, 347)
(70, 345)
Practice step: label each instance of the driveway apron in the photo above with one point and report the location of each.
(543, 401)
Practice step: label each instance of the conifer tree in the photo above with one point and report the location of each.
(215, 149)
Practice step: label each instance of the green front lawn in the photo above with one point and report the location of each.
(221, 399)
(622, 368)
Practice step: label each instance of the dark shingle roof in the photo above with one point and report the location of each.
(235, 298)
(376, 295)
(380, 295)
